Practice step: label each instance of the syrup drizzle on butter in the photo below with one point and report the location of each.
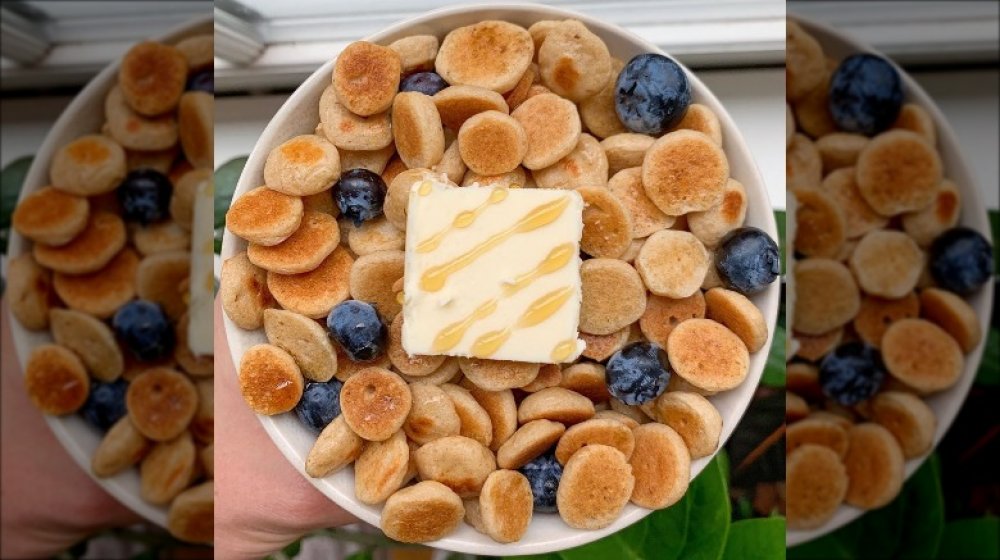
(539, 310)
(563, 350)
(462, 220)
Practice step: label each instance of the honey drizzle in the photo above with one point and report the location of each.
(563, 350)
(556, 259)
(453, 333)
(464, 219)
(539, 310)
(425, 188)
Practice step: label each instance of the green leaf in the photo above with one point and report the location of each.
(774, 368)
(779, 218)
(971, 539)
(360, 555)
(989, 368)
(293, 549)
(226, 177)
(11, 179)
(709, 518)
(756, 539)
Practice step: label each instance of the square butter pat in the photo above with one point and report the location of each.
(493, 272)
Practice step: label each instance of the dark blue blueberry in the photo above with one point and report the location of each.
(145, 196)
(543, 473)
(359, 194)
(320, 404)
(961, 260)
(356, 326)
(852, 373)
(865, 94)
(747, 260)
(638, 373)
(427, 83)
(202, 81)
(651, 94)
(105, 404)
(144, 329)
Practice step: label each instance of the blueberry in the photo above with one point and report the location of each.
(651, 94)
(852, 373)
(961, 260)
(543, 473)
(747, 260)
(427, 83)
(202, 81)
(638, 373)
(105, 404)
(359, 194)
(865, 94)
(357, 327)
(320, 404)
(144, 329)
(145, 196)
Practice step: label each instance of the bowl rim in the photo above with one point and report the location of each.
(65, 427)
(971, 198)
(770, 298)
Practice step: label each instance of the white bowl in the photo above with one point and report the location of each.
(945, 404)
(85, 115)
(299, 115)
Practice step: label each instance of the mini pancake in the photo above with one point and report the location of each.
(424, 512)
(505, 505)
(693, 417)
(596, 484)
(618, 417)
(417, 129)
(458, 462)
(672, 263)
(586, 166)
(198, 51)
(202, 426)
(447, 373)
(244, 291)
(840, 149)
(713, 224)
(158, 279)
(601, 347)
(820, 227)
(826, 296)
(90, 165)
(739, 315)
(90, 339)
(321, 202)
(161, 403)
(812, 111)
(586, 378)
(909, 419)
(305, 340)
(541, 29)
(953, 314)
(842, 421)
(375, 402)
(56, 380)
(789, 125)
(160, 160)
(708, 355)
(497, 375)
(700, 118)
(451, 163)
(270, 380)
(135, 131)
(191, 517)
(457, 103)
(374, 236)
(813, 347)
(366, 77)
(195, 365)
(607, 226)
(381, 469)
(476, 422)
(51, 216)
(335, 448)
(432, 415)
(898, 171)
(29, 292)
(528, 442)
(416, 52)
(805, 64)
(549, 375)
(553, 128)
(874, 464)
(598, 111)
(490, 54)
(662, 314)
(573, 62)
(408, 363)
(515, 179)
(613, 296)
(167, 469)
(91, 250)
(122, 447)
(316, 292)
(887, 263)
(185, 190)
(195, 115)
(859, 218)
(556, 404)
(712, 279)
(816, 484)
(633, 412)
(592, 432)
(304, 251)
(817, 431)
(371, 281)
(625, 150)
(264, 216)
(346, 367)
(372, 160)
(103, 291)
(303, 165)
(803, 165)
(925, 225)
(803, 379)
(876, 314)
(152, 77)
(922, 355)
(348, 131)
(397, 196)
(661, 466)
(684, 171)
(160, 237)
(501, 408)
(492, 143)
(915, 118)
